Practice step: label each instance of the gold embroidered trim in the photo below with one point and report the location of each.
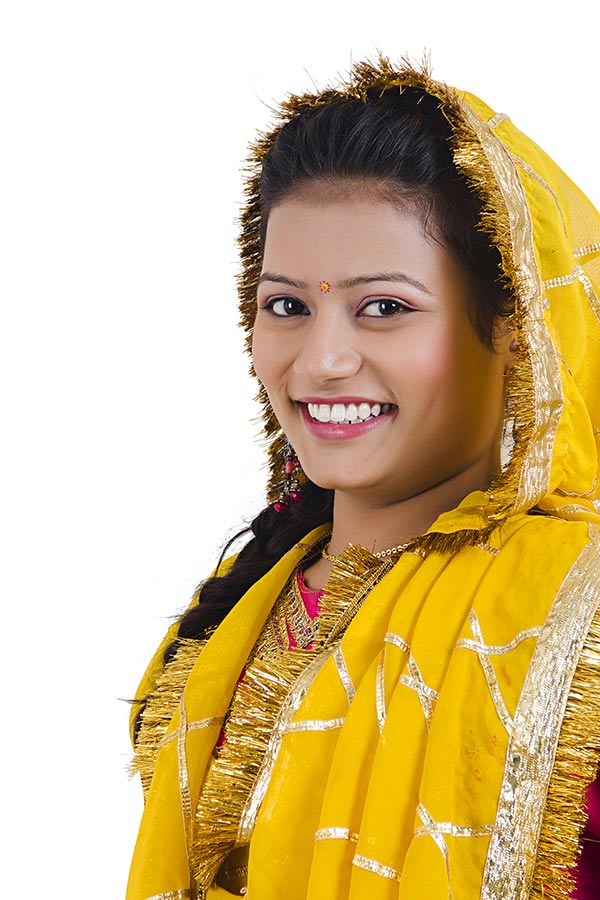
(534, 390)
(377, 868)
(490, 674)
(498, 650)
(380, 692)
(577, 755)
(565, 665)
(587, 250)
(336, 834)
(397, 641)
(314, 725)
(342, 670)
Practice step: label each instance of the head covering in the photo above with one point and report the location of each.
(443, 746)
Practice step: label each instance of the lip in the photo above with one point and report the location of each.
(336, 431)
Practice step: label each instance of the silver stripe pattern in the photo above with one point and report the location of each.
(578, 274)
(336, 834)
(314, 725)
(439, 839)
(587, 250)
(427, 696)
(192, 726)
(397, 641)
(495, 120)
(380, 692)
(454, 830)
(496, 649)
(182, 771)
(377, 868)
(490, 675)
(543, 183)
(172, 895)
(342, 670)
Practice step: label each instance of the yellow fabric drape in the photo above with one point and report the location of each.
(465, 694)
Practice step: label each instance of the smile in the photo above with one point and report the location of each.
(343, 421)
(346, 413)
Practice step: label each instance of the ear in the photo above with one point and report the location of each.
(506, 342)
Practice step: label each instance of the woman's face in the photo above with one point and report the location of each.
(364, 345)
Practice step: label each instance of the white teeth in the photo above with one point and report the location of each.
(348, 413)
(352, 412)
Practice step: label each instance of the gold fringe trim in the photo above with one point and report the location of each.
(575, 768)
(473, 162)
(160, 708)
(269, 679)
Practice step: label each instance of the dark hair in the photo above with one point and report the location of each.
(397, 142)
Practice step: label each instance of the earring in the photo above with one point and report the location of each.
(291, 489)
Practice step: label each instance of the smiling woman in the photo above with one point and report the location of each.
(393, 690)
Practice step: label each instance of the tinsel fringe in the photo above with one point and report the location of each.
(575, 768)
(160, 708)
(472, 161)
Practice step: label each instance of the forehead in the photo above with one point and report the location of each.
(313, 237)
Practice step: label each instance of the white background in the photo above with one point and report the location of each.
(128, 441)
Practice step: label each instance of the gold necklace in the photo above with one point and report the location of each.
(290, 612)
(381, 554)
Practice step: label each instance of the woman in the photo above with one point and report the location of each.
(393, 691)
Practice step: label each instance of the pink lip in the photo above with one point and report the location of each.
(333, 431)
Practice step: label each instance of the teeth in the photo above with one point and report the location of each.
(347, 413)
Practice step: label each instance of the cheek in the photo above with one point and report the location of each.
(264, 355)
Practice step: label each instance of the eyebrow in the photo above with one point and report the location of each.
(350, 282)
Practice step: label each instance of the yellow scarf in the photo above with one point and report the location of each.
(443, 747)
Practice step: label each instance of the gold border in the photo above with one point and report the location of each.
(522, 829)
(534, 479)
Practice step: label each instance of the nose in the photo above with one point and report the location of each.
(329, 351)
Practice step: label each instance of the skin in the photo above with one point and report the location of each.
(416, 350)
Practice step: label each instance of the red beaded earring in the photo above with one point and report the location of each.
(291, 489)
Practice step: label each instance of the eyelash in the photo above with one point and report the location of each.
(400, 307)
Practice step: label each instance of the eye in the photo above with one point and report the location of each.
(285, 307)
(384, 308)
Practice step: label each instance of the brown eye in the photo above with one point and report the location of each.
(384, 308)
(287, 306)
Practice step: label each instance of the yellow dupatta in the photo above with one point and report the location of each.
(444, 746)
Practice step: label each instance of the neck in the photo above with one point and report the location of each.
(378, 526)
